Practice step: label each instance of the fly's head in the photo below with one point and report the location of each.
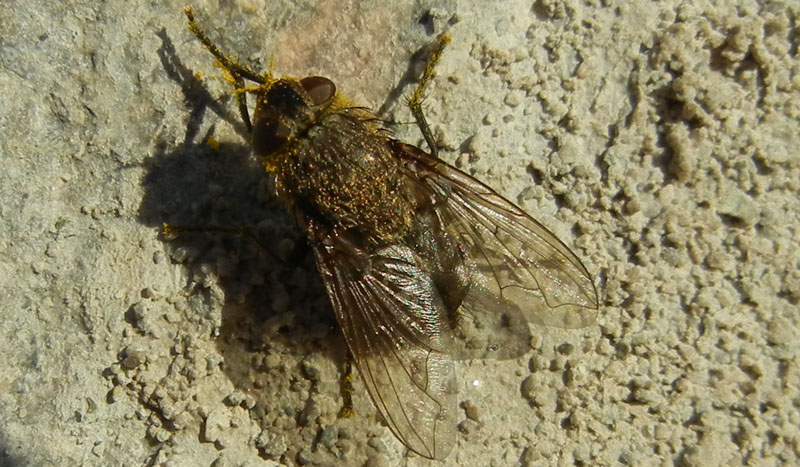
(285, 109)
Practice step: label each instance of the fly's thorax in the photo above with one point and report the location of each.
(342, 172)
(330, 159)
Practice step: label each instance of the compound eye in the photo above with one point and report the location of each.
(319, 89)
(268, 136)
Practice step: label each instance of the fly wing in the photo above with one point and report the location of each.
(518, 262)
(392, 318)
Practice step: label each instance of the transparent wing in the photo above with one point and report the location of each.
(393, 321)
(519, 262)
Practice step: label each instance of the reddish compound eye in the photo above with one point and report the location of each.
(319, 89)
(268, 136)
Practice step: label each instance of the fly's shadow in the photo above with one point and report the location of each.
(231, 230)
(412, 75)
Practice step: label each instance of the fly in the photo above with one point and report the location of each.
(423, 264)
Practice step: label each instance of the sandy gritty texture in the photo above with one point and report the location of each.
(660, 139)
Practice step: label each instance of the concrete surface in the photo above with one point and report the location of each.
(660, 139)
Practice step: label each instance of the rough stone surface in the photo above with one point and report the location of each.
(660, 140)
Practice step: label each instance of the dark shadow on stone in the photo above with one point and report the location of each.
(196, 96)
(274, 301)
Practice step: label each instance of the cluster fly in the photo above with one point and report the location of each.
(422, 263)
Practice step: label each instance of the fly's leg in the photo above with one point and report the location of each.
(418, 97)
(346, 385)
(241, 102)
(237, 72)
